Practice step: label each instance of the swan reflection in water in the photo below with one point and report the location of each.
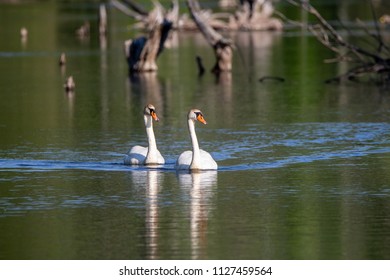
(151, 180)
(200, 187)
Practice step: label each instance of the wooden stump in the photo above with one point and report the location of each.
(142, 52)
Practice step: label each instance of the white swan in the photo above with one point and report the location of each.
(150, 155)
(196, 159)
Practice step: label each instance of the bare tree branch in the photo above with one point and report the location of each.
(332, 32)
(367, 61)
(126, 10)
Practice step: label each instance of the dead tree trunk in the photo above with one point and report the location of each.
(102, 20)
(142, 53)
(223, 48)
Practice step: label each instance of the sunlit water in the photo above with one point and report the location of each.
(303, 166)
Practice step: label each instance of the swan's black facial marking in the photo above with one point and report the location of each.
(150, 110)
(198, 114)
(200, 117)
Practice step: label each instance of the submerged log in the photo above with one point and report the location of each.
(223, 47)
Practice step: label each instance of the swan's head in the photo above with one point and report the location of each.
(196, 115)
(149, 110)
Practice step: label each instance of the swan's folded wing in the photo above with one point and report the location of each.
(207, 161)
(136, 156)
(184, 160)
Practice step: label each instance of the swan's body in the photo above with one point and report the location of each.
(150, 155)
(197, 159)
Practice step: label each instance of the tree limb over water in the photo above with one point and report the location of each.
(367, 62)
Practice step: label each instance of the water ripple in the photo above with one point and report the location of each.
(253, 147)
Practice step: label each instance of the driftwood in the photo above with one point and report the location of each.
(367, 62)
(223, 48)
(142, 52)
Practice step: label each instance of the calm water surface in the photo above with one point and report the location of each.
(304, 167)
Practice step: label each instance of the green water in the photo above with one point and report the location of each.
(303, 165)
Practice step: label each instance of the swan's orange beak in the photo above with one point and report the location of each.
(154, 116)
(201, 119)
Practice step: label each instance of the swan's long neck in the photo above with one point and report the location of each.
(195, 163)
(152, 146)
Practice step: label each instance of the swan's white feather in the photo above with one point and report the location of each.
(136, 155)
(139, 155)
(197, 159)
(206, 161)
